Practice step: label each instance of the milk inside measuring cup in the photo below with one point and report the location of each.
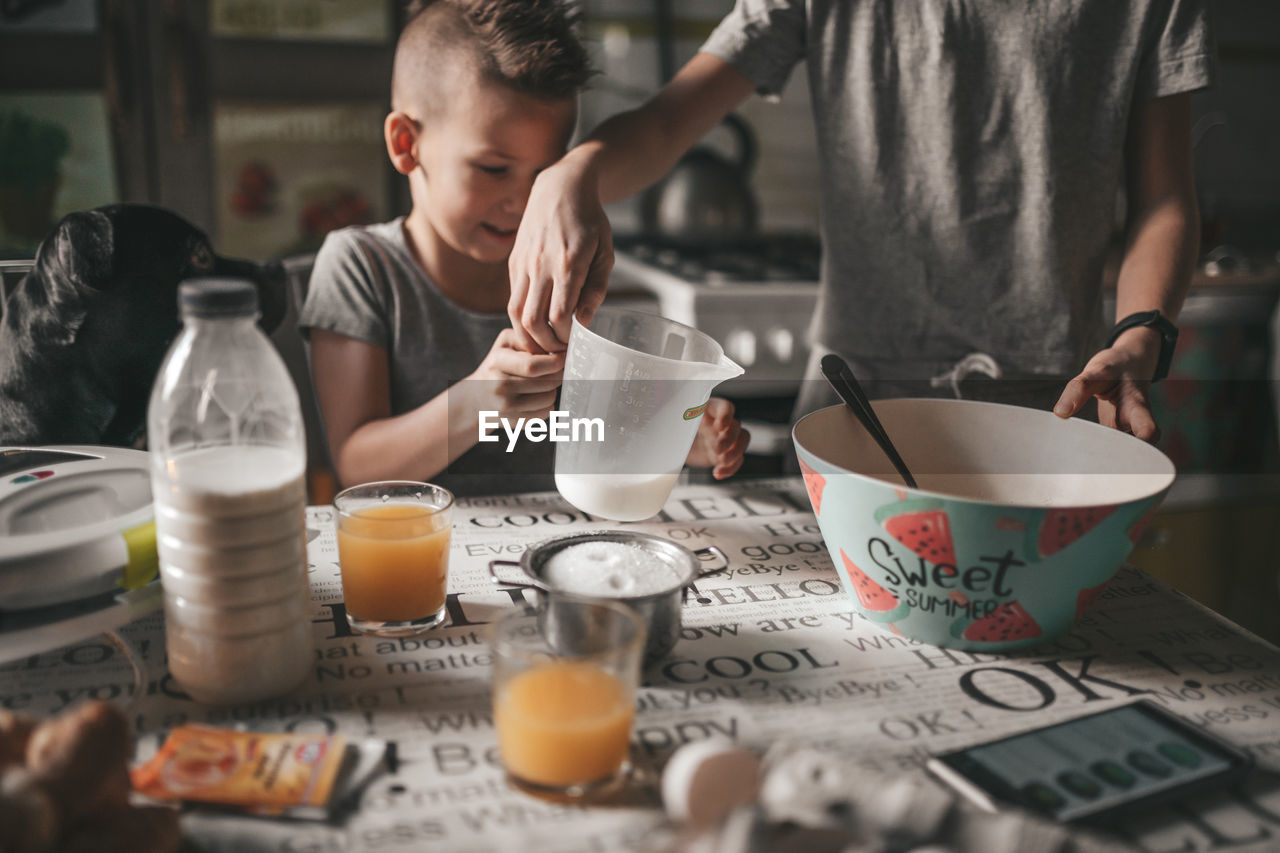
(647, 379)
(622, 497)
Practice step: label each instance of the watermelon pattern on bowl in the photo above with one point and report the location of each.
(1012, 562)
(878, 604)
(923, 527)
(1086, 597)
(1062, 527)
(814, 483)
(1007, 623)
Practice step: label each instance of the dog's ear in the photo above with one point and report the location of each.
(79, 252)
(71, 264)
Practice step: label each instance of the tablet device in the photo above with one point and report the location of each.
(1095, 768)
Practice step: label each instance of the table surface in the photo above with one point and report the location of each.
(770, 651)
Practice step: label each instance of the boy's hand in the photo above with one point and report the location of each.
(1120, 378)
(516, 383)
(721, 441)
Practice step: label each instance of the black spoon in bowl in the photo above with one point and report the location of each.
(837, 373)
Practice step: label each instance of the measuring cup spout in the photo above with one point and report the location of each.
(711, 372)
(728, 369)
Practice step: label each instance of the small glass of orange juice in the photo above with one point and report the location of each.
(564, 685)
(393, 550)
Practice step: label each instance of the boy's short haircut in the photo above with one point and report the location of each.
(530, 46)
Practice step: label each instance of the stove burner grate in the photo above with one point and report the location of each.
(770, 258)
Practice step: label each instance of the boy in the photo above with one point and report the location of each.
(410, 340)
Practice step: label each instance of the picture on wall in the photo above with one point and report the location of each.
(311, 20)
(287, 174)
(55, 157)
(44, 16)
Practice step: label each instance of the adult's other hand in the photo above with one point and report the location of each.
(1120, 377)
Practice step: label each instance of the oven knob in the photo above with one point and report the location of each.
(781, 343)
(740, 345)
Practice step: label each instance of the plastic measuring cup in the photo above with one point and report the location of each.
(647, 379)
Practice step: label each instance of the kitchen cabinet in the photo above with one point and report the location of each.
(1223, 554)
(1216, 538)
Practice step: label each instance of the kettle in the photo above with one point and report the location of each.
(705, 197)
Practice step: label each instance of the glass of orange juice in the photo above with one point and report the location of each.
(564, 685)
(393, 550)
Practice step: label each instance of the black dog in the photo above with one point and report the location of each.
(84, 333)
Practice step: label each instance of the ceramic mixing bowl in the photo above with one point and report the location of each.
(1019, 522)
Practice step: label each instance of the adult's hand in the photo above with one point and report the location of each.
(1120, 377)
(562, 256)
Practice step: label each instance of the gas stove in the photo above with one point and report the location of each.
(756, 298)
(770, 258)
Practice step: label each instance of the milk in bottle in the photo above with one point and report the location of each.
(228, 458)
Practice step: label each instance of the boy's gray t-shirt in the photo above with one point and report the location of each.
(970, 152)
(366, 285)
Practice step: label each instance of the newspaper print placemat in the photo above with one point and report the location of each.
(770, 650)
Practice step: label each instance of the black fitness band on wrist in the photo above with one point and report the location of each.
(1168, 336)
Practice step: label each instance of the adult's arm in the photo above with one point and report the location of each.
(564, 250)
(1161, 245)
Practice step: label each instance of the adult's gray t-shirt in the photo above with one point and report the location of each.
(971, 152)
(366, 285)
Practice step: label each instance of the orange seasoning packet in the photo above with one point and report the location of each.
(260, 772)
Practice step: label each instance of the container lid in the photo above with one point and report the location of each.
(74, 519)
(217, 297)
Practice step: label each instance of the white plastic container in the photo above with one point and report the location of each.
(228, 456)
(648, 379)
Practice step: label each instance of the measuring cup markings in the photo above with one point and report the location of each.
(643, 398)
